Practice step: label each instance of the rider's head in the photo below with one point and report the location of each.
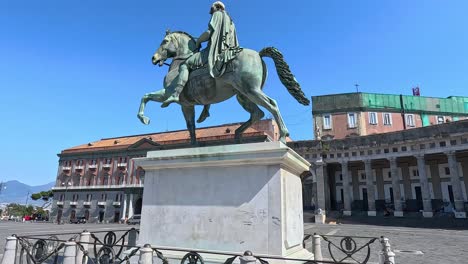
(216, 6)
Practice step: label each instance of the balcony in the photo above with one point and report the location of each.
(59, 203)
(99, 187)
(66, 168)
(106, 166)
(87, 203)
(122, 165)
(79, 168)
(92, 166)
(74, 203)
(116, 204)
(102, 203)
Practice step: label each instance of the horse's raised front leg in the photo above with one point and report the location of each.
(157, 96)
(189, 115)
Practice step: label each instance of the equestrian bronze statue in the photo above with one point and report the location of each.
(220, 71)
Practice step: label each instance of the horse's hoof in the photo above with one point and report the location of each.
(145, 120)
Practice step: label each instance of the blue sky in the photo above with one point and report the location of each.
(73, 72)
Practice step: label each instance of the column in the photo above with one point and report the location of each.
(124, 209)
(456, 185)
(346, 187)
(425, 192)
(320, 209)
(379, 183)
(405, 175)
(370, 188)
(130, 206)
(397, 199)
(435, 180)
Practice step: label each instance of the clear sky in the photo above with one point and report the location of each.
(73, 72)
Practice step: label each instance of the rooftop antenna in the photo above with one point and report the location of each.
(357, 87)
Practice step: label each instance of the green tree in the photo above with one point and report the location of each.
(46, 196)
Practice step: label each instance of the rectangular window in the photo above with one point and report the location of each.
(327, 122)
(373, 118)
(387, 119)
(440, 119)
(389, 175)
(410, 120)
(351, 120)
(415, 173)
(103, 197)
(447, 171)
(341, 177)
(363, 176)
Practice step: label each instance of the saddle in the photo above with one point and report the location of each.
(201, 84)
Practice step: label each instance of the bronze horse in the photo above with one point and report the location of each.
(244, 78)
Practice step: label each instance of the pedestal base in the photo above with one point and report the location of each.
(371, 213)
(225, 198)
(398, 213)
(347, 213)
(428, 214)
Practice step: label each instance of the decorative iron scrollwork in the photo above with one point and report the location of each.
(348, 247)
(40, 250)
(192, 258)
(105, 255)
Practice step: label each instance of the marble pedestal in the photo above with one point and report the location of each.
(225, 198)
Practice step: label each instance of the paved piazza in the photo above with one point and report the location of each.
(435, 245)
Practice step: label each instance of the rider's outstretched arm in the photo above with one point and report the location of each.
(205, 36)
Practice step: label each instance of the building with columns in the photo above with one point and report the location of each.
(99, 181)
(421, 170)
(338, 116)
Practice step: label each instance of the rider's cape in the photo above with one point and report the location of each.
(223, 45)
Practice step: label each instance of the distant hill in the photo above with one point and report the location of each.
(17, 192)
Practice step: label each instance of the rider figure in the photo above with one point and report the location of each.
(222, 47)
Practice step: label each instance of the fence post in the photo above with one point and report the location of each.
(316, 247)
(9, 254)
(248, 258)
(132, 238)
(69, 253)
(146, 255)
(84, 240)
(386, 255)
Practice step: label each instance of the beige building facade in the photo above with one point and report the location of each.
(422, 170)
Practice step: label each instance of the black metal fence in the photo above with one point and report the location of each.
(120, 247)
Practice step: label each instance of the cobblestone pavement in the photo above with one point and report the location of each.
(435, 245)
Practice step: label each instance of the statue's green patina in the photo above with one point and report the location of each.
(217, 73)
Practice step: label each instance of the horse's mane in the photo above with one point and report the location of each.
(192, 42)
(186, 34)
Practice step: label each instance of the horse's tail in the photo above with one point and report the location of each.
(285, 74)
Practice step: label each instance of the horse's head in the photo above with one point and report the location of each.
(174, 44)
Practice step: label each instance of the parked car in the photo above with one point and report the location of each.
(134, 220)
(78, 220)
(14, 218)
